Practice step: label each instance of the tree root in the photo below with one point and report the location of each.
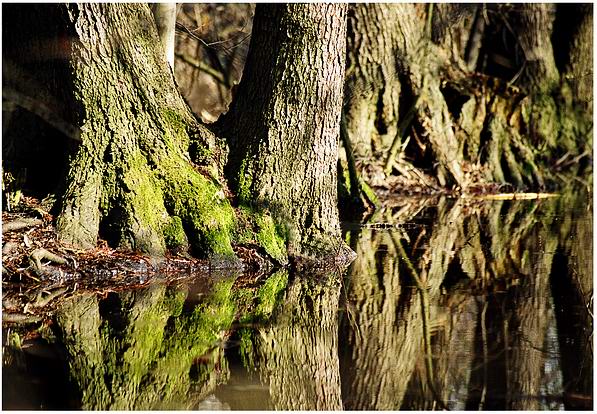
(20, 318)
(38, 255)
(19, 224)
(41, 301)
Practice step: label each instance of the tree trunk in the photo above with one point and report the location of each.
(534, 25)
(132, 170)
(372, 85)
(453, 128)
(579, 68)
(283, 128)
(165, 19)
(297, 352)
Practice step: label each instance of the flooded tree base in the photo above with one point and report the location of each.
(454, 302)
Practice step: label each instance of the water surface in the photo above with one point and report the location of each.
(458, 304)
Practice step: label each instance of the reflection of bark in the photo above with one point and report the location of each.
(530, 309)
(385, 322)
(453, 351)
(135, 350)
(298, 352)
(573, 297)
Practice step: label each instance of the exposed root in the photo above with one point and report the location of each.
(19, 224)
(38, 255)
(19, 318)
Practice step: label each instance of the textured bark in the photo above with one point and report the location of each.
(283, 127)
(579, 69)
(534, 26)
(372, 84)
(455, 129)
(132, 167)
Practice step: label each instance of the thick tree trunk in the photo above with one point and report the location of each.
(132, 170)
(372, 88)
(283, 128)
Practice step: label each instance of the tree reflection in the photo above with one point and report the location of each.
(296, 352)
(463, 304)
(457, 311)
(139, 350)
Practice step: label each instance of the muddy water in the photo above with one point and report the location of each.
(458, 304)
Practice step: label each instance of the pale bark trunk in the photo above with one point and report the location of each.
(534, 26)
(283, 127)
(165, 19)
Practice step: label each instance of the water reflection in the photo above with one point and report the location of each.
(458, 304)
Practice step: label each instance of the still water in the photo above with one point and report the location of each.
(450, 304)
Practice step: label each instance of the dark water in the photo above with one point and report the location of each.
(459, 304)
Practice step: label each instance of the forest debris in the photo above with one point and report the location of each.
(8, 248)
(19, 224)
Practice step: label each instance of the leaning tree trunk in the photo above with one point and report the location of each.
(132, 171)
(283, 128)
(165, 20)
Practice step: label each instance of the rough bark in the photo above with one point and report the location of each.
(283, 127)
(579, 68)
(132, 168)
(459, 130)
(372, 88)
(534, 26)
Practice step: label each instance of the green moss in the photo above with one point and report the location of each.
(174, 301)
(202, 206)
(244, 182)
(174, 234)
(260, 228)
(271, 237)
(246, 348)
